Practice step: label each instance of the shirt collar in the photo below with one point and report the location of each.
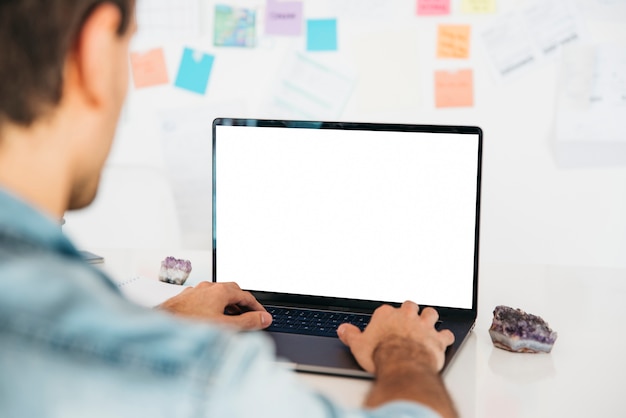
(20, 219)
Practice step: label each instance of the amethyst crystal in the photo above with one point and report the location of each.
(516, 330)
(174, 271)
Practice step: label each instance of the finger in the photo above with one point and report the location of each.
(347, 333)
(430, 314)
(411, 307)
(250, 321)
(446, 336)
(243, 299)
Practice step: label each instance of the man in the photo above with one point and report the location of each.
(70, 345)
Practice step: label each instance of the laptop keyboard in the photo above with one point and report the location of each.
(312, 322)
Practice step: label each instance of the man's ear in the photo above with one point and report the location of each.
(90, 62)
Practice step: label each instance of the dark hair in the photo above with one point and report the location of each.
(35, 37)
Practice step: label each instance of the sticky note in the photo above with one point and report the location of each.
(148, 68)
(283, 18)
(234, 26)
(453, 41)
(478, 6)
(321, 35)
(433, 7)
(194, 71)
(454, 88)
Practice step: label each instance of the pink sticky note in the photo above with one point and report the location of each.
(433, 7)
(453, 41)
(454, 88)
(283, 18)
(148, 68)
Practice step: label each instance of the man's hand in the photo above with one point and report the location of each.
(406, 353)
(388, 323)
(220, 302)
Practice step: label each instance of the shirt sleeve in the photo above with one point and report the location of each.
(249, 382)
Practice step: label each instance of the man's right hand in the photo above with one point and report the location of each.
(390, 323)
(406, 353)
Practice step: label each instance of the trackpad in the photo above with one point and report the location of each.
(317, 354)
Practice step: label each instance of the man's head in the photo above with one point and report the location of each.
(36, 37)
(63, 75)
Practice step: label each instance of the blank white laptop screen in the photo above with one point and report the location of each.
(374, 215)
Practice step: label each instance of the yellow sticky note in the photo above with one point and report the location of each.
(149, 68)
(454, 88)
(478, 6)
(453, 41)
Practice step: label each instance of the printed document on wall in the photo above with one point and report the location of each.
(591, 104)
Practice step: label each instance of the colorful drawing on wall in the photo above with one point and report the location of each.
(321, 35)
(148, 68)
(234, 26)
(454, 88)
(194, 71)
(433, 7)
(453, 41)
(283, 18)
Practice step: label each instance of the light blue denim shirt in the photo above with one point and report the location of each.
(72, 346)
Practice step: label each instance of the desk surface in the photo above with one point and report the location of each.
(580, 378)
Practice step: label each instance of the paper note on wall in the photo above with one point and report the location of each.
(194, 71)
(591, 106)
(234, 26)
(148, 68)
(552, 24)
(308, 89)
(592, 94)
(453, 41)
(520, 39)
(433, 7)
(509, 47)
(165, 20)
(478, 6)
(283, 18)
(321, 35)
(454, 88)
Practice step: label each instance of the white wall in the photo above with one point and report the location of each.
(537, 208)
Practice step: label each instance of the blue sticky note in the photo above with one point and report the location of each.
(321, 35)
(194, 71)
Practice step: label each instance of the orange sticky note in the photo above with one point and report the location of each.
(453, 41)
(148, 68)
(454, 88)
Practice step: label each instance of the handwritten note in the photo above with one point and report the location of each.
(453, 41)
(454, 89)
(148, 68)
(283, 18)
(433, 7)
(194, 71)
(478, 6)
(321, 35)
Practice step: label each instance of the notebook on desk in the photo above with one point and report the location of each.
(328, 218)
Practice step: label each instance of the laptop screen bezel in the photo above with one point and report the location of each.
(321, 302)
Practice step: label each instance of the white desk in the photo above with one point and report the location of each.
(582, 377)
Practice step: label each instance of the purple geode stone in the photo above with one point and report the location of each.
(518, 331)
(174, 271)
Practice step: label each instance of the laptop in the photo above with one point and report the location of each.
(325, 221)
